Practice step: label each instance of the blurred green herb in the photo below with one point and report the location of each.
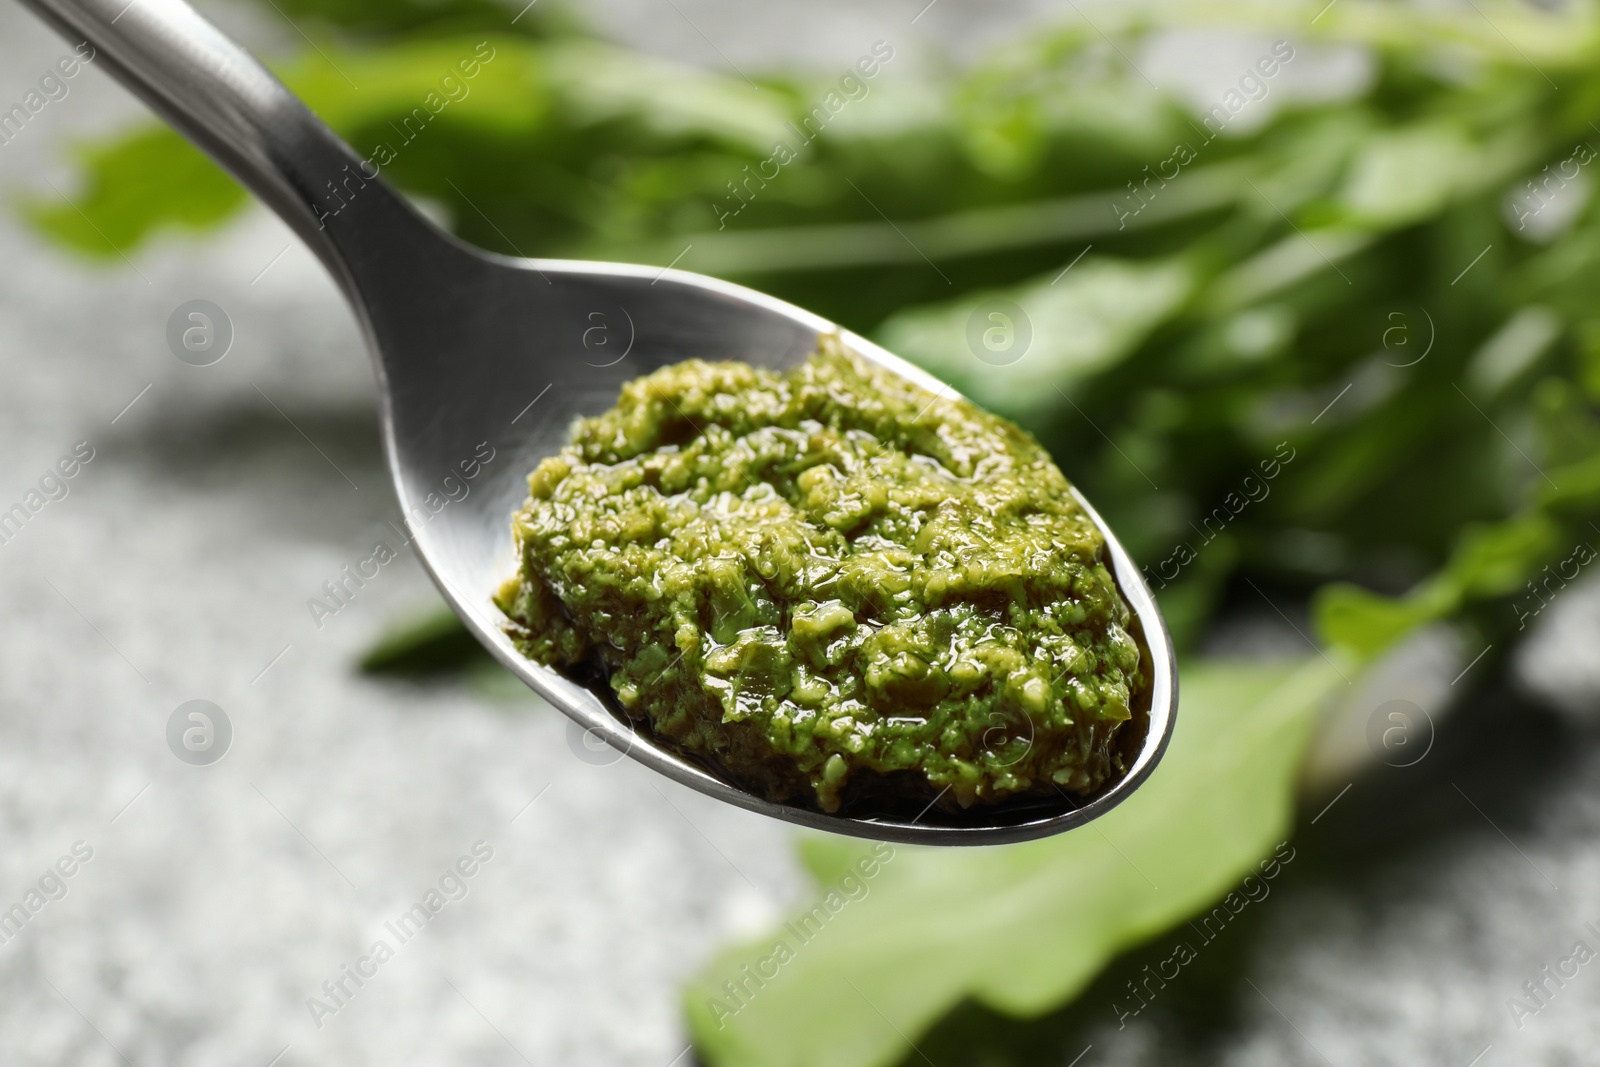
(435, 643)
(1021, 928)
(1384, 298)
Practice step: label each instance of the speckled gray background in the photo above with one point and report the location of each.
(219, 898)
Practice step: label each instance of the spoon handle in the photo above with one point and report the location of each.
(223, 99)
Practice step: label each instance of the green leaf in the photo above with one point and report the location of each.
(1495, 559)
(1508, 354)
(1364, 623)
(354, 89)
(1081, 324)
(530, 100)
(381, 17)
(1403, 175)
(153, 178)
(431, 643)
(133, 186)
(1025, 927)
(602, 83)
(1576, 486)
(1490, 560)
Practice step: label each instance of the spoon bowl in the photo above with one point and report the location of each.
(483, 361)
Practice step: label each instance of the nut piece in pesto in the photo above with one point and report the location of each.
(832, 586)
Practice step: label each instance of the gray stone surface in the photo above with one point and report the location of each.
(219, 898)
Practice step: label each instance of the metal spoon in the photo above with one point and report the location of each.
(479, 354)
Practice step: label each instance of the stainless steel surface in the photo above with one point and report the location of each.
(475, 351)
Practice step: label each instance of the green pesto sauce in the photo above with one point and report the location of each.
(830, 582)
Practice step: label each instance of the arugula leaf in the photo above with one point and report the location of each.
(1025, 927)
(538, 121)
(381, 17)
(153, 178)
(1364, 623)
(1491, 561)
(432, 643)
(356, 88)
(133, 185)
(600, 83)
(1404, 175)
(1079, 323)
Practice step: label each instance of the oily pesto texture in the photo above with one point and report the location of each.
(817, 579)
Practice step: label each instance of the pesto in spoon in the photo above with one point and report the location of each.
(483, 355)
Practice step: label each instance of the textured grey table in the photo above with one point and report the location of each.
(219, 898)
